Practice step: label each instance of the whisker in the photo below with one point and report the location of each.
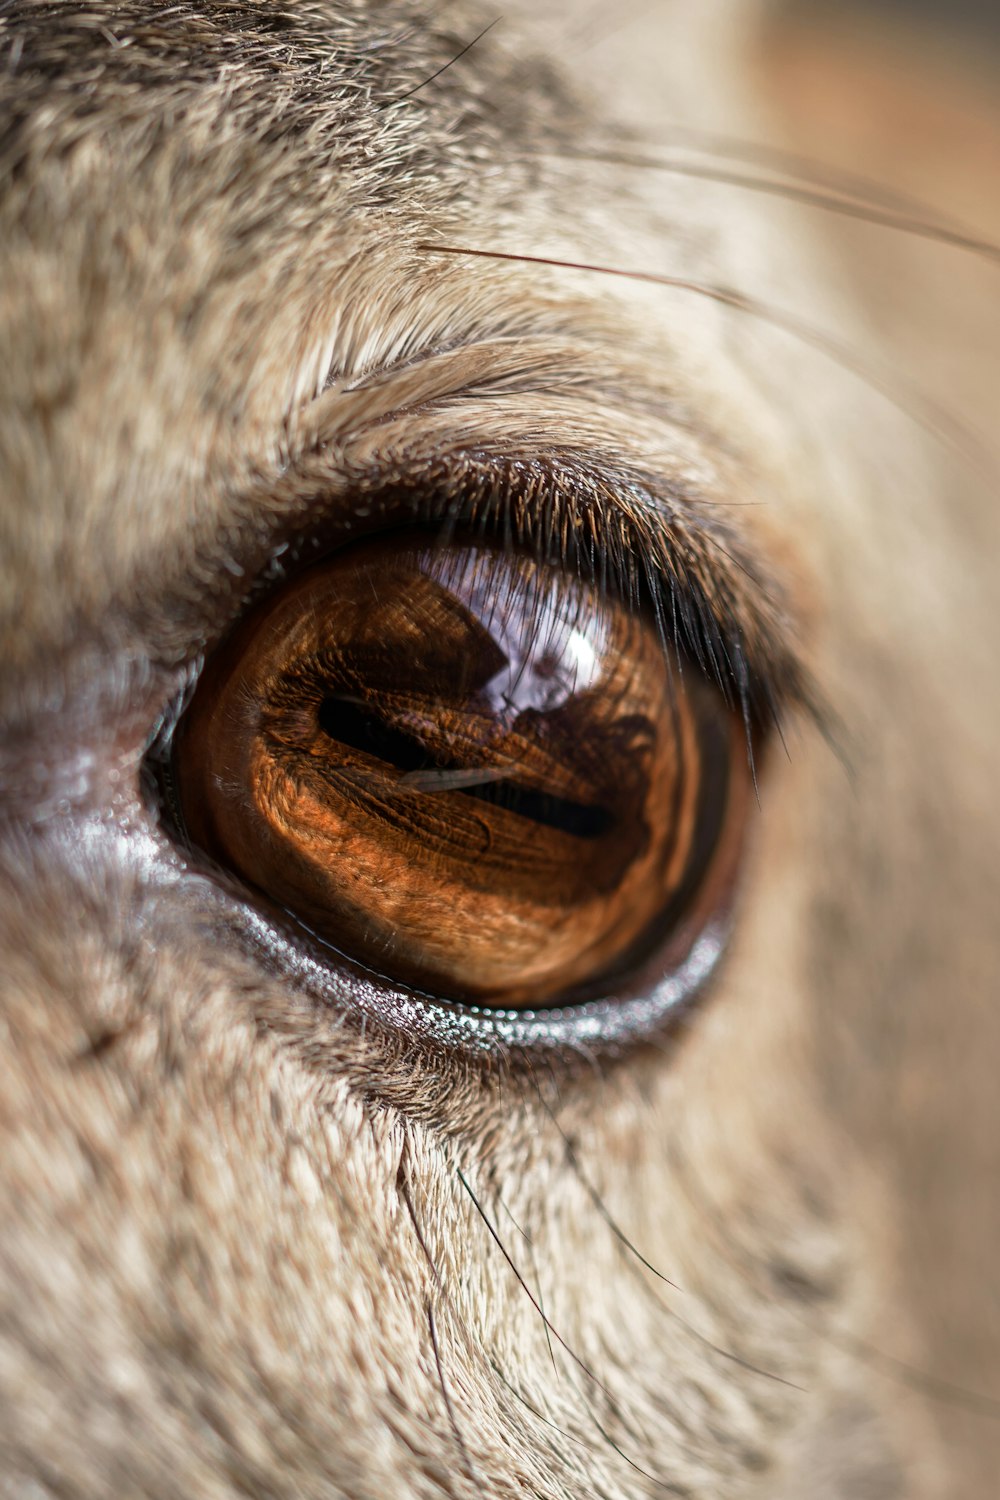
(977, 1403)
(662, 1484)
(915, 405)
(541, 1302)
(573, 1437)
(521, 1231)
(602, 1208)
(402, 98)
(538, 1280)
(403, 1188)
(832, 201)
(445, 1396)
(809, 170)
(536, 1304)
(629, 1247)
(529, 1293)
(597, 31)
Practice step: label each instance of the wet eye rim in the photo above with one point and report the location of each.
(602, 1021)
(577, 1034)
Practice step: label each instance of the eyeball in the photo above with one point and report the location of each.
(466, 769)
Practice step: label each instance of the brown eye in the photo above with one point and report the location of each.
(466, 769)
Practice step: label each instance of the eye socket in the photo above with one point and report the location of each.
(469, 770)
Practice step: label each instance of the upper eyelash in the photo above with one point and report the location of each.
(629, 534)
(621, 532)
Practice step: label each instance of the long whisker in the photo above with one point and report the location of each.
(978, 1403)
(404, 1190)
(661, 1484)
(538, 1280)
(832, 201)
(446, 1397)
(582, 1365)
(915, 405)
(809, 170)
(529, 1293)
(928, 1384)
(630, 1249)
(402, 1187)
(601, 1207)
(402, 98)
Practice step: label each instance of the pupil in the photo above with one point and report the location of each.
(349, 724)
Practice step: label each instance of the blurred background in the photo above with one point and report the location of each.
(906, 94)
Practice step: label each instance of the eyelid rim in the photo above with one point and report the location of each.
(574, 1034)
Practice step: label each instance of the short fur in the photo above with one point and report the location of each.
(249, 1246)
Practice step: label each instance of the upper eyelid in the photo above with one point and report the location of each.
(528, 426)
(556, 419)
(636, 533)
(709, 554)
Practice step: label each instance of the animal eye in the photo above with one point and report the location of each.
(468, 770)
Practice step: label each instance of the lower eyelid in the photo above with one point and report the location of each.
(345, 1000)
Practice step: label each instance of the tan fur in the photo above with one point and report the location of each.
(236, 1256)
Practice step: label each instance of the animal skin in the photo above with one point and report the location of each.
(262, 1234)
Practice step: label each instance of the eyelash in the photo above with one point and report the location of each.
(637, 540)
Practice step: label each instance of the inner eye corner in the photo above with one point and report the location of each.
(463, 769)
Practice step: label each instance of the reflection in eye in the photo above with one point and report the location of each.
(464, 768)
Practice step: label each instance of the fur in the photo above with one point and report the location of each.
(251, 1231)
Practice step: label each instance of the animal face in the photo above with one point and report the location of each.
(496, 786)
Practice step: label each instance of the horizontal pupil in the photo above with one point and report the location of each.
(351, 725)
(575, 818)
